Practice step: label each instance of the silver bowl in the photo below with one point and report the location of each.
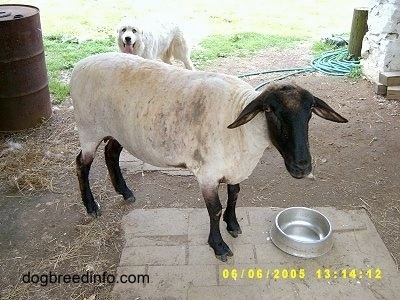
(302, 232)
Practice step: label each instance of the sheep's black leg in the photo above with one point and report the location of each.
(82, 170)
(232, 224)
(112, 151)
(215, 240)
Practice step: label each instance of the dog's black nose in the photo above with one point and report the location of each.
(128, 39)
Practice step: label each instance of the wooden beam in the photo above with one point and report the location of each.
(358, 29)
(389, 78)
(393, 92)
(379, 88)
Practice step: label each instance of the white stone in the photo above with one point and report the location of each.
(381, 45)
(384, 19)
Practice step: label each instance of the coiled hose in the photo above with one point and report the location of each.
(334, 63)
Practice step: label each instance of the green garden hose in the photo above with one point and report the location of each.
(334, 63)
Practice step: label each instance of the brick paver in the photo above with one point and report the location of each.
(170, 246)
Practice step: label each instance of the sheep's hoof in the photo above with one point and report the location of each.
(235, 233)
(221, 249)
(95, 214)
(95, 211)
(130, 199)
(129, 196)
(224, 257)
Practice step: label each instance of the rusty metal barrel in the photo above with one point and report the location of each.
(24, 91)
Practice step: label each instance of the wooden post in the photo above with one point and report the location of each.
(358, 29)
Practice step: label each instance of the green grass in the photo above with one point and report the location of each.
(239, 44)
(355, 72)
(320, 47)
(62, 53)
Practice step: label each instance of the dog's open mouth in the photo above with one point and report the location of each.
(128, 48)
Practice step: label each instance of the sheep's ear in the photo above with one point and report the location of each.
(248, 113)
(325, 111)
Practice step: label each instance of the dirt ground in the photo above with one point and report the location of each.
(44, 228)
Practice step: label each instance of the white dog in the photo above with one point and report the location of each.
(162, 41)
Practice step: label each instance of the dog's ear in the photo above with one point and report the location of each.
(118, 27)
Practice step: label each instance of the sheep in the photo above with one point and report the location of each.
(215, 125)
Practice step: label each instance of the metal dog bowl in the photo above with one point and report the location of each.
(302, 232)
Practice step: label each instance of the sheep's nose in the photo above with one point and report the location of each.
(302, 164)
(299, 169)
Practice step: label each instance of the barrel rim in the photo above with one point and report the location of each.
(37, 11)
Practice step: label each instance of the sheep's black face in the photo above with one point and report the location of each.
(288, 115)
(288, 109)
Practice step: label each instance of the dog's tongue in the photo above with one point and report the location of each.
(128, 48)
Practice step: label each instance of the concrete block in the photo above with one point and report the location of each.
(223, 292)
(269, 254)
(153, 255)
(133, 165)
(174, 281)
(202, 255)
(389, 78)
(254, 234)
(157, 222)
(155, 240)
(199, 222)
(352, 220)
(393, 92)
(243, 253)
(379, 88)
(259, 216)
(183, 266)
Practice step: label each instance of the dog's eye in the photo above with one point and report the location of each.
(134, 30)
(123, 29)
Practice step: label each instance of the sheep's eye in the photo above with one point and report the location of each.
(267, 109)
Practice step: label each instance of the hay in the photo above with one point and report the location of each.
(91, 251)
(35, 160)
